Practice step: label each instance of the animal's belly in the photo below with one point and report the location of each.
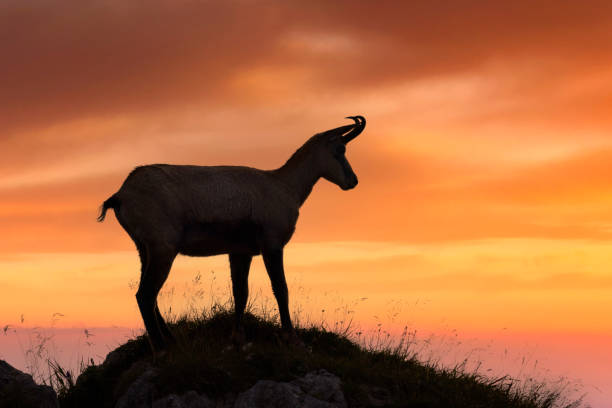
(215, 239)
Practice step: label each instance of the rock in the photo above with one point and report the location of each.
(190, 399)
(323, 386)
(318, 389)
(140, 393)
(169, 401)
(123, 357)
(272, 394)
(19, 389)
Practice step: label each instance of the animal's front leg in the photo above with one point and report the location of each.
(273, 259)
(239, 265)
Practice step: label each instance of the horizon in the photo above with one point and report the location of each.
(483, 202)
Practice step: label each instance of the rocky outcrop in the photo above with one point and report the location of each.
(318, 389)
(19, 389)
(322, 385)
(140, 393)
(190, 399)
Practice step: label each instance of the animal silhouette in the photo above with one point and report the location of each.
(211, 210)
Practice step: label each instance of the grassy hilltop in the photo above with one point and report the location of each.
(202, 361)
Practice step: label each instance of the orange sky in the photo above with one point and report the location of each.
(484, 169)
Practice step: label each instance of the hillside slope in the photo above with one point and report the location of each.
(203, 370)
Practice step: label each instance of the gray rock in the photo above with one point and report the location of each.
(140, 393)
(190, 399)
(322, 385)
(272, 394)
(169, 401)
(19, 389)
(318, 389)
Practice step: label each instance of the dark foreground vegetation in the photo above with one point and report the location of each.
(203, 361)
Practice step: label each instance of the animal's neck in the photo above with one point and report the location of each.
(300, 174)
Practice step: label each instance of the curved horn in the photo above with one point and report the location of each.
(339, 131)
(358, 127)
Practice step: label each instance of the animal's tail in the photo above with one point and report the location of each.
(112, 202)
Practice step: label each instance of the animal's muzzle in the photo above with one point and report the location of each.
(351, 183)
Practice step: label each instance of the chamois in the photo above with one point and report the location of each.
(210, 210)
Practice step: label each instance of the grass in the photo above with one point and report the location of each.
(378, 371)
(376, 368)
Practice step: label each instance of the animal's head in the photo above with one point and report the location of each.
(332, 153)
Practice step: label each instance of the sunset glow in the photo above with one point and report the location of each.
(485, 180)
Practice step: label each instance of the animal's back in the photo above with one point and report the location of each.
(195, 206)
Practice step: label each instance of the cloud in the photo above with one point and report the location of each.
(103, 58)
(405, 198)
(579, 179)
(479, 114)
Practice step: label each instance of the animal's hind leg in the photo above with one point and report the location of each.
(144, 260)
(154, 274)
(239, 265)
(168, 336)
